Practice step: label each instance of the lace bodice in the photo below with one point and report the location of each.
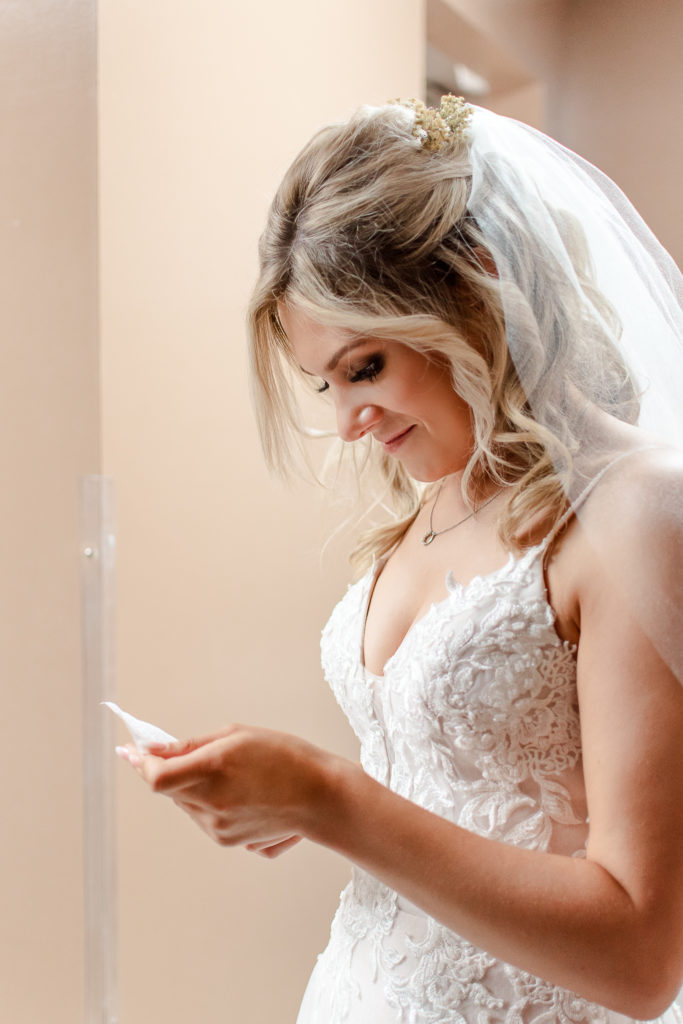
(475, 719)
(476, 716)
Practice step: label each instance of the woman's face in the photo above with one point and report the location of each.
(386, 389)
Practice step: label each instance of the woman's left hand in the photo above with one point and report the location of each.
(243, 785)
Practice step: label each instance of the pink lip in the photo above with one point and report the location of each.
(396, 441)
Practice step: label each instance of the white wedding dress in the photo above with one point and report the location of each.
(475, 719)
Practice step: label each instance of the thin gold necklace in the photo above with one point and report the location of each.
(431, 533)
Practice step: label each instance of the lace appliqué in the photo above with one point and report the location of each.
(475, 719)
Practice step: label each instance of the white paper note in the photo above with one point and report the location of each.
(144, 734)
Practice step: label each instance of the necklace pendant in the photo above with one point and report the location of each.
(428, 537)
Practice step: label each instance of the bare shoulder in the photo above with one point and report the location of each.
(626, 542)
(641, 474)
(629, 578)
(636, 509)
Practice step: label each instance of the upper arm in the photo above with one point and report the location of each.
(631, 698)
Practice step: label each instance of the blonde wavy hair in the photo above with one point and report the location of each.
(369, 232)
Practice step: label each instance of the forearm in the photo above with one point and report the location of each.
(564, 919)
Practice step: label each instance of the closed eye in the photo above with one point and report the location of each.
(318, 386)
(369, 371)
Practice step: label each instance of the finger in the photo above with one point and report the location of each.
(165, 749)
(179, 747)
(270, 852)
(172, 776)
(182, 771)
(188, 745)
(263, 844)
(189, 806)
(205, 821)
(129, 753)
(175, 748)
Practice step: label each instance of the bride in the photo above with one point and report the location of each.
(499, 334)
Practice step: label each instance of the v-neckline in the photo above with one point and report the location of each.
(452, 587)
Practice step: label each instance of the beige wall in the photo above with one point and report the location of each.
(612, 78)
(221, 591)
(50, 438)
(623, 78)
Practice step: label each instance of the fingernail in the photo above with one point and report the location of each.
(123, 752)
(134, 759)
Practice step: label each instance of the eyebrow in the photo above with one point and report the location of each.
(342, 352)
(332, 364)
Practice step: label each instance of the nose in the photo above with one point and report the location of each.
(354, 420)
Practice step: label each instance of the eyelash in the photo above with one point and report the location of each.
(369, 372)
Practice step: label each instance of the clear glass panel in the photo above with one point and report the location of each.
(99, 836)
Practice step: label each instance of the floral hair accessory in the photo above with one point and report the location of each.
(435, 129)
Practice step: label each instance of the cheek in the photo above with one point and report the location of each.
(452, 414)
(420, 382)
(438, 397)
